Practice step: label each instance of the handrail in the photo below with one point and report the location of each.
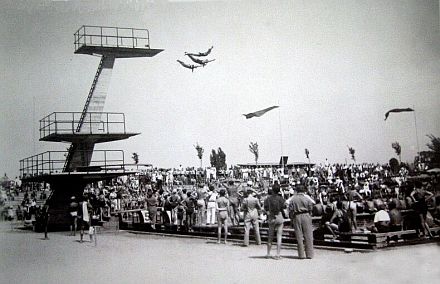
(50, 162)
(101, 32)
(66, 123)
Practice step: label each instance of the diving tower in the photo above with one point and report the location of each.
(69, 171)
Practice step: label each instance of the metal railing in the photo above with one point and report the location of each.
(52, 162)
(111, 37)
(94, 123)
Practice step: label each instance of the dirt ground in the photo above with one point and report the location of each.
(133, 258)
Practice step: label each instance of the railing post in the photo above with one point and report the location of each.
(123, 118)
(123, 162)
(101, 36)
(49, 161)
(90, 122)
(132, 36)
(107, 125)
(105, 161)
(117, 37)
(56, 123)
(73, 122)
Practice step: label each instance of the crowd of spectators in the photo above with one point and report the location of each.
(28, 205)
(184, 198)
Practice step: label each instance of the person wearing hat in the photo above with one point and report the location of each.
(251, 207)
(274, 206)
(300, 206)
(73, 212)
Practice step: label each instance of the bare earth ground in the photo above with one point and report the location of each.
(128, 258)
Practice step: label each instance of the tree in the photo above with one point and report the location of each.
(398, 149)
(394, 165)
(307, 152)
(351, 151)
(135, 158)
(200, 151)
(434, 146)
(253, 148)
(218, 159)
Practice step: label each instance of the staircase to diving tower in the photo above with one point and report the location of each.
(68, 172)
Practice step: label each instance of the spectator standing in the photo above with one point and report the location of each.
(73, 212)
(251, 207)
(45, 219)
(210, 214)
(234, 201)
(201, 205)
(222, 208)
(152, 203)
(84, 217)
(420, 197)
(301, 206)
(274, 207)
(190, 205)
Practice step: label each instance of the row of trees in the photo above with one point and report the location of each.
(218, 157)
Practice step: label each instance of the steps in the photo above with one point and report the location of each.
(110, 226)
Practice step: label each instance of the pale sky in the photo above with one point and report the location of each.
(334, 67)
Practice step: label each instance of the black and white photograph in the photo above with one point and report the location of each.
(220, 141)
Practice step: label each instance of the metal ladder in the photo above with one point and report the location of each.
(89, 97)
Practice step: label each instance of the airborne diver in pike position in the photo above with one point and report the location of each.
(199, 61)
(200, 53)
(192, 67)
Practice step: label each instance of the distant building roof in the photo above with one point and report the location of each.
(274, 165)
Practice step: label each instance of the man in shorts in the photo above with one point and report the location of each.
(274, 206)
(73, 212)
(251, 207)
(234, 201)
(222, 208)
(84, 217)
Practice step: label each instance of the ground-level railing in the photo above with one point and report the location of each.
(52, 162)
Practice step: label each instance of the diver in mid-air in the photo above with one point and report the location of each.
(199, 61)
(192, 67)
(200, 53)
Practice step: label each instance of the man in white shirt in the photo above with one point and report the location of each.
(382, 219)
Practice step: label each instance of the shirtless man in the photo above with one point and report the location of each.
(222, 208)
(234, 201)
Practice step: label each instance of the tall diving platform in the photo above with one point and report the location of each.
(68, 172)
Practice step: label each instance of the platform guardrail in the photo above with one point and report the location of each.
(52, 162)
(111, 37)
(94, 123)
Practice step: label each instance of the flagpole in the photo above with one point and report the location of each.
(417, 135)
(281, 136)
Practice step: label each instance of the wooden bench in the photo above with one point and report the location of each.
(376, 240)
